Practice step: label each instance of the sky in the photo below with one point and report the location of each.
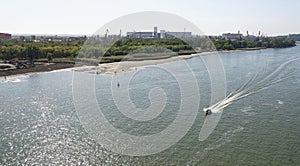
(213, 17)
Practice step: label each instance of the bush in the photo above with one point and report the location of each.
(49, 57)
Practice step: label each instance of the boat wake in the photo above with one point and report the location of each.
(14, 79)
(253, 85)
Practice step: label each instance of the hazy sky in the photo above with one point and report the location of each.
(272, 17)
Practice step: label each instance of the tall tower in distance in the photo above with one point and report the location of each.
(155, 32)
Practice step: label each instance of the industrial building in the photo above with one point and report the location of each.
(232, 36)
(295, 37)
(158, 35)
(178, 34)
(142, 35)
(5, 36)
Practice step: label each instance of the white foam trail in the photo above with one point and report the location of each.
(280, 102)
(250, 87)
(15, 79)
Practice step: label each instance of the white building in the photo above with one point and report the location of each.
(232, 36)
(178, 34)
(155, 35)
(162, 34)
(140, 35)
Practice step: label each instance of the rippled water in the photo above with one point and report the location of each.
(39, 123)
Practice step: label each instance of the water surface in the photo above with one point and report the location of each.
(39, 124)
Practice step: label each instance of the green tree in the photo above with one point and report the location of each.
(49, 57)
(32, 52)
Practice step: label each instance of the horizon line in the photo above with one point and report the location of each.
(88, 34)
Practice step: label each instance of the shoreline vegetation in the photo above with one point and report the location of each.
(20, 56)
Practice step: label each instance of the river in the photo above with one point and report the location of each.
(260, 122)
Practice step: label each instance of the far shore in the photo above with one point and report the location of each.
(37, 68)
(106, 68)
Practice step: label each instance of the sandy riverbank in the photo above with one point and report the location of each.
(125, 66)
(104, 68)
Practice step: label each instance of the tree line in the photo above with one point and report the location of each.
(19, 50)
(265, 42)
(22, 50)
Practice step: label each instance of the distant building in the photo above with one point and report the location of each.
(178, 34)
(232, 36)
(295, 37)
(156, 35)
(162, 34)
(250, 37)
(5, 36)
(141, 35)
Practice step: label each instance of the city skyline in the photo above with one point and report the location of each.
(213, 18)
